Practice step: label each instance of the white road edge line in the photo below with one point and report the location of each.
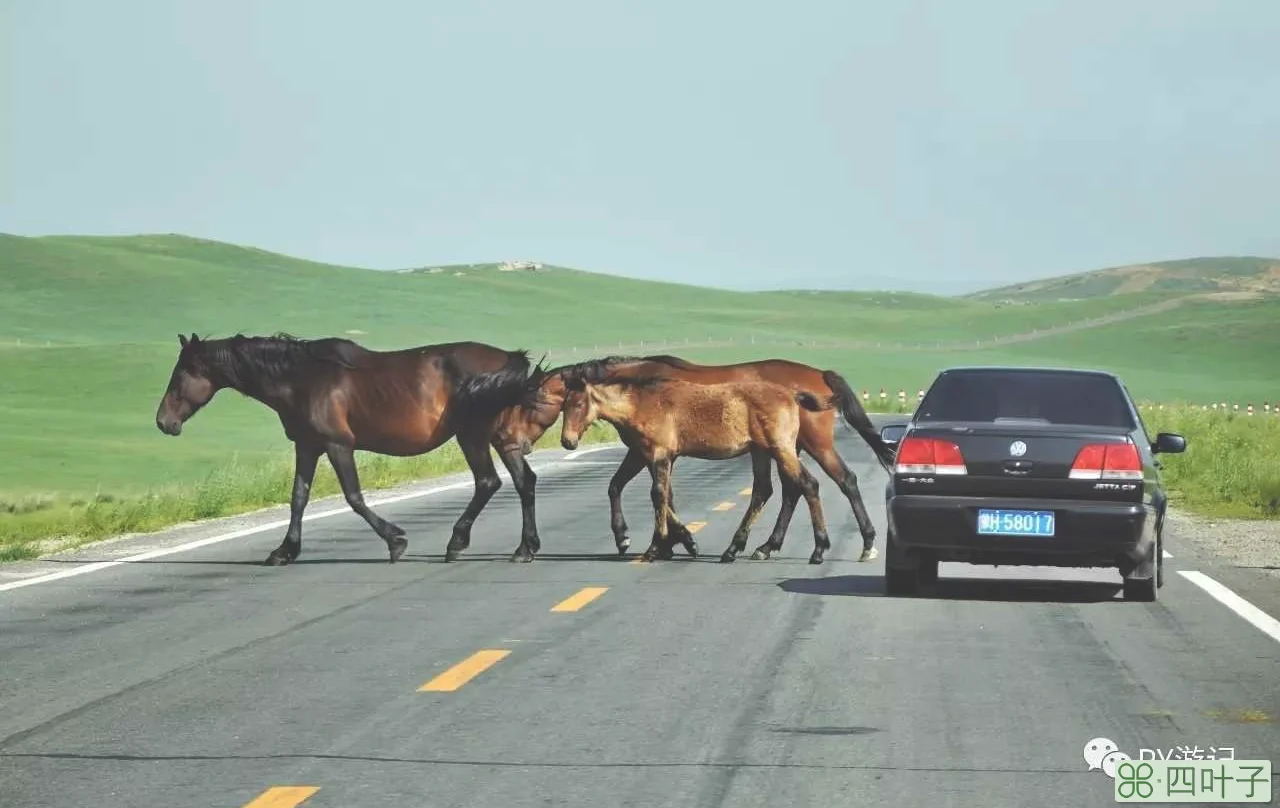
(580, 452)
(1257, 618)
(221, 537)
(1167, 554)
(373, 501)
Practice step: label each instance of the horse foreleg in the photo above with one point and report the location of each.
(632, 465)
(305, 459)
(761, 491)
(660, 546)
(791, 491)
(524, 479)
(343, 460)
(476, 451)
(847, 482)
(676, 530)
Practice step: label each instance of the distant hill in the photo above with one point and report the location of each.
(1245, 277)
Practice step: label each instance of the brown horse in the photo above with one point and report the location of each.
(663, 419)
(334, 397)
(520, 427)
(817, 438)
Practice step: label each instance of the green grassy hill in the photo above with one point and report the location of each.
(1244, 277)
(88, 331)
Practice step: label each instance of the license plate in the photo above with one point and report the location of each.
(1015, 523)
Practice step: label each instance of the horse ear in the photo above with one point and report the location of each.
(182, 341)
(194, 338)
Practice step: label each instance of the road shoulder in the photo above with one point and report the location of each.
(274, 518)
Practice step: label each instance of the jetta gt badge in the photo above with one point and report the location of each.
(1017, 448)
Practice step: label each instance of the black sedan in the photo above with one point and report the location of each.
(1026, 466)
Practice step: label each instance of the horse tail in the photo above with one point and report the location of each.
(486, 394)
(857, 417)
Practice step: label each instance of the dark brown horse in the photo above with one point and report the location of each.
(663, 419)
(817, 429)
(334, 397)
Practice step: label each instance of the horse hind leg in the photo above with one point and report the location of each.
(847, 482)
(789, 468)
(343, 460)
(821, 541)
(761, 491)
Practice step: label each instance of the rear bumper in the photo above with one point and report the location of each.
(1087, 534)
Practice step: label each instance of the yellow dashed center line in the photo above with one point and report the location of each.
(282, 797)
(464, 671)
(579, 599)
(723, 506)
(746, 492)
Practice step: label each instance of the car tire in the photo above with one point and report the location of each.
(927, 569)
(1141, 590)
(1159, 558)
(900, 581)
(900, 576)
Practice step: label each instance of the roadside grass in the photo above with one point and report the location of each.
(1232, 464)
(33, 525)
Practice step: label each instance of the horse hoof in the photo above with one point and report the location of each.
(815, 559)
(692, 549)
(521, 557)
(451, 554)
(396, 548)
(726, 558)
(276, 560)
(759, 555)
(869, 554)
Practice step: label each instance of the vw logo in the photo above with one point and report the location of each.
(1017, 448)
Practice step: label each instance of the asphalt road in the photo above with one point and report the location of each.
(200, 678)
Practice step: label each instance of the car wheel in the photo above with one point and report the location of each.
(927, 570)
(1160, 558)
(1142, 590)
(900, 576)
(899, 581)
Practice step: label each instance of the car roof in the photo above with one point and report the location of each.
(1030, 369)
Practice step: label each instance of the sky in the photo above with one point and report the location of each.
(926, 146)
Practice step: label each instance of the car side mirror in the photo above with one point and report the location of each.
(892, 433)
(1169, 443)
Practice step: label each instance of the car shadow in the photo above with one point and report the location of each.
(1024, 590)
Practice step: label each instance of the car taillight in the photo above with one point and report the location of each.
(929, 456)
(1107, 461)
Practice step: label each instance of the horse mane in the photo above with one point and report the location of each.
(249, 359)
(604, 369)
(668, 359)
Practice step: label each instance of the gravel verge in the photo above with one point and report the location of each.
(1246, 543)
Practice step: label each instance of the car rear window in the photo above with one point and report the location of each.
(1056, 398)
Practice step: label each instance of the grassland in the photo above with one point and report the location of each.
(88, 336)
